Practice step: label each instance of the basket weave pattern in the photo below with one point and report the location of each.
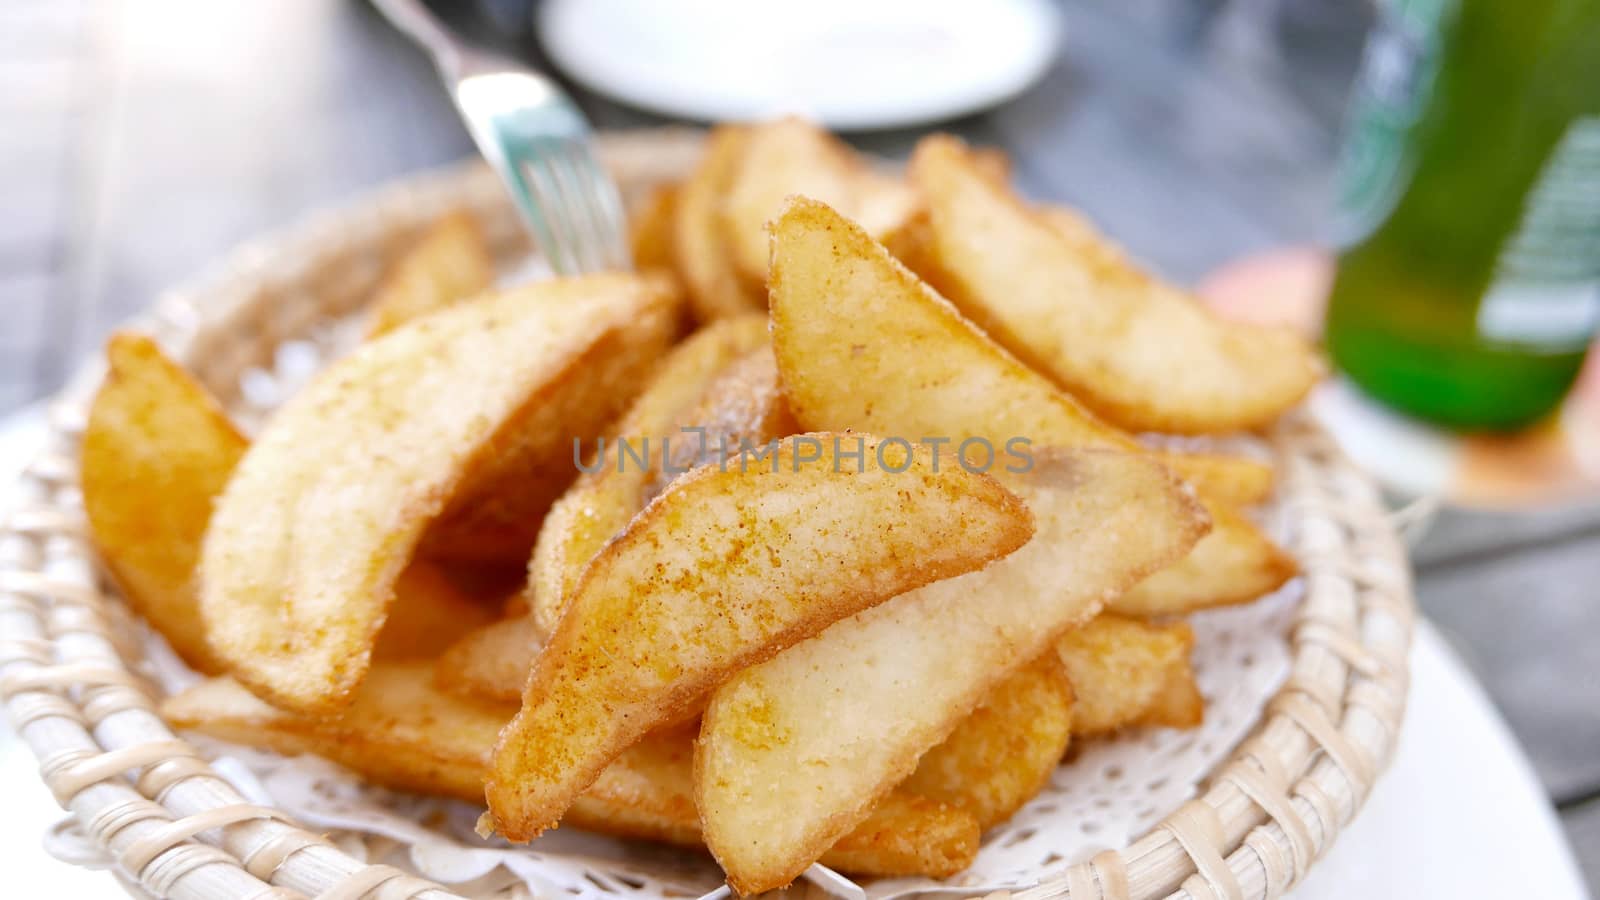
(176, 829)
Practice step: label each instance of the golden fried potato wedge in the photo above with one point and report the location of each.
(1121, 670)
(429, 614)
(1230, 480)
(1143, 354)
(742, 405)
(402, 732)
(793, 752)
(398, 730)
(1178, 704)
(156, 452)
(700, 251)
(648, 793)
(908, 835)
(494, 515)
(1235, 563)
(600, 503)
(792, 156)
(729, 566)
(1002, 753)
(650, 229)
(451, 263)
(408, 432)
(861, 343)
(492, 662)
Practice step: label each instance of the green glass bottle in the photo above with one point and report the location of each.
(1468, 285)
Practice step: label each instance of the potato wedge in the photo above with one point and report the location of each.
(793, 752)
(699, 247)
(429, 614)
(493, 662)
(723, 570)
(600, 503)
(1141, 353)
(650, 229)
(1178, 704)
(648, 793)
(402, 732)
(1235, 563)
(742, 404)
(1126, 671)
(325, 509)
(449, 264)
(861, 343)
(494, 514)
(792, 156)
(1002, 753)
(157, 450)
(1227, 479)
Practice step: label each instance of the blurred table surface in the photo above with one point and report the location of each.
(140, 140)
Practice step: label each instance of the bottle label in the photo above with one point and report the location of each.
(1396, 77)
(1546, 288)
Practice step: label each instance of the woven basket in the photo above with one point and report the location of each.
(148, 800)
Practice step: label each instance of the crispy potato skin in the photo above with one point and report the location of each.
(793, 752)
(402, 732)
(1141, 353)
(600, 503)
(862, 343)
(326, 507)
(156, 452)
(449, 264)
(698, 244)
(1125, 672)
(495, 512)
(791, 156)
(723, 570)
(1002, 753)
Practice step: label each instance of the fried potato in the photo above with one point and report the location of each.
(1227, 479)
(699, 247)
(1235, 563)
(449, 264)
(793, 752)
(1139, 352)
(742, 404)
(908, 835)
(324, 510)
(723, 570)
(491, 663)
(600, 503)
(495, 513)
(1129, 672)
(1002, 753)
(650, 229)
(648, 793)
(862, 344)
(792, 156)
(429, 614)
(1178, 704)
(156, 452)
(398, 730)
(402, 732)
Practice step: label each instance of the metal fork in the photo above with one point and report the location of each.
(538, 141)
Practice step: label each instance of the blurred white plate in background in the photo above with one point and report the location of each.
(850, 64)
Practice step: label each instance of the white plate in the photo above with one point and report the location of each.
(850, 64)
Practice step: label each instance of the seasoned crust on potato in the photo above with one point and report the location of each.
(404, 435)
(727, 567)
